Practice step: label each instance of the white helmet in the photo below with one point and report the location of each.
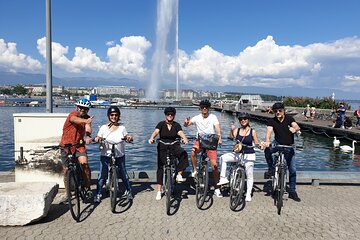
(83, 103)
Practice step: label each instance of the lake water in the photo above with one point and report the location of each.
(316, 152)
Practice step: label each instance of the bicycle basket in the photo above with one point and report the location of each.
(209, 141)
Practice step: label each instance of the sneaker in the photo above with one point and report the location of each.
(193, 174)
(223, 180)
(179, 178)
(294, 196)
(248, 198)
(218, 193)
(97, 198)
(158, 195)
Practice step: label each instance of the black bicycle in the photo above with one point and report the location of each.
(207, 142)
(74, 183)
(279, 178)
(113, 176)
(237, 178)
(169, 173)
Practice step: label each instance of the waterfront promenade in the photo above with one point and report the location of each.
(325, 212)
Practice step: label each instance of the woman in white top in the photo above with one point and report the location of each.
(113, 133)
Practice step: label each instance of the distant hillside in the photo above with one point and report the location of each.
(7, 78)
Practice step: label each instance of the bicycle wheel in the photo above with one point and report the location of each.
(114, 183)
(237, 188)
(168, 189)
(280, 193)
(202, 184)
(73, 195)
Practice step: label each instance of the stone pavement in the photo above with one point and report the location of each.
(325, 212)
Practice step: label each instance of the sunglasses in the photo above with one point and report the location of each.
(170, 114)
(242, 119)
(114, 115)
(279, 110)
(83, 108)
(203, 107)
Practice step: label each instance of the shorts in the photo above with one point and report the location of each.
(212, 154)
(80, 151)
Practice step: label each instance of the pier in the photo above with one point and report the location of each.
(316, 126)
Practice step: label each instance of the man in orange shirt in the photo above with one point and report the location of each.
(76, 126)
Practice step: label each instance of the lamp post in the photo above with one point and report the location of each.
(49, 105)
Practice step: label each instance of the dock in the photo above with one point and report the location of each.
(316, 126)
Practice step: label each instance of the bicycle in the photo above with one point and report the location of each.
(169, 173)
(113, 177)
(207, 142)
(74, 183)
(237, 179)
(280, 175)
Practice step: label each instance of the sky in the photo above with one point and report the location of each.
(306, 45)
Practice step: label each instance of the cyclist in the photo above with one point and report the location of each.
(169, 130)
(76, 126)
(206, 123)
(247, 136)
(284, 128)
(113, 132)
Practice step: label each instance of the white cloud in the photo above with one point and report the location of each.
(126, 59)
(13, 61)
(110, 43)
(267, 64)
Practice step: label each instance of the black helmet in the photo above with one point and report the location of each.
(113, 109)
(278, 105)
(205, 103)
(243, 115)
(170, 110)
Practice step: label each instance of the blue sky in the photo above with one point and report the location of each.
(308, 44)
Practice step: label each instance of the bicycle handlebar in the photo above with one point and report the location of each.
(169, 144)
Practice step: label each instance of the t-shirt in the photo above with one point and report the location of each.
(205, 125)
(167, 135)
(281, 130)
(72, 132)
(113, 137)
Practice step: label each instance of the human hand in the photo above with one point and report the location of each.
(151, 141)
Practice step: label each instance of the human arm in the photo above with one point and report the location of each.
(294, 127)
(183, 137)
(218, 132)
(269, 130)
(153, 136)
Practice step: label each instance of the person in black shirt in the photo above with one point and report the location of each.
(284, 128)
(169, 130)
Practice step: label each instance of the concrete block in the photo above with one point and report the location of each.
(24, 202)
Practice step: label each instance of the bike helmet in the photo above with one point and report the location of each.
(205, 103)
(170, 110)
(83, 103)
(113, 109)
(243, 115)
(278, 105)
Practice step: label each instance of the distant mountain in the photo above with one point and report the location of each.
(8, 78)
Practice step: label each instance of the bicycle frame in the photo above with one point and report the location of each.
(169, 174)
(280, 176)
(237, 179)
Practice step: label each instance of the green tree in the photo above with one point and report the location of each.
(20, 90)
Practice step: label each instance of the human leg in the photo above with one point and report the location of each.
(291, 164)
(269, 158)
(212, 154)
(83, 160)
(249, 168)
(120, 162)
(224, 159)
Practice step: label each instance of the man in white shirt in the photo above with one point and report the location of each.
(206, 124)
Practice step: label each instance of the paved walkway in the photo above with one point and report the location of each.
(325, 212)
